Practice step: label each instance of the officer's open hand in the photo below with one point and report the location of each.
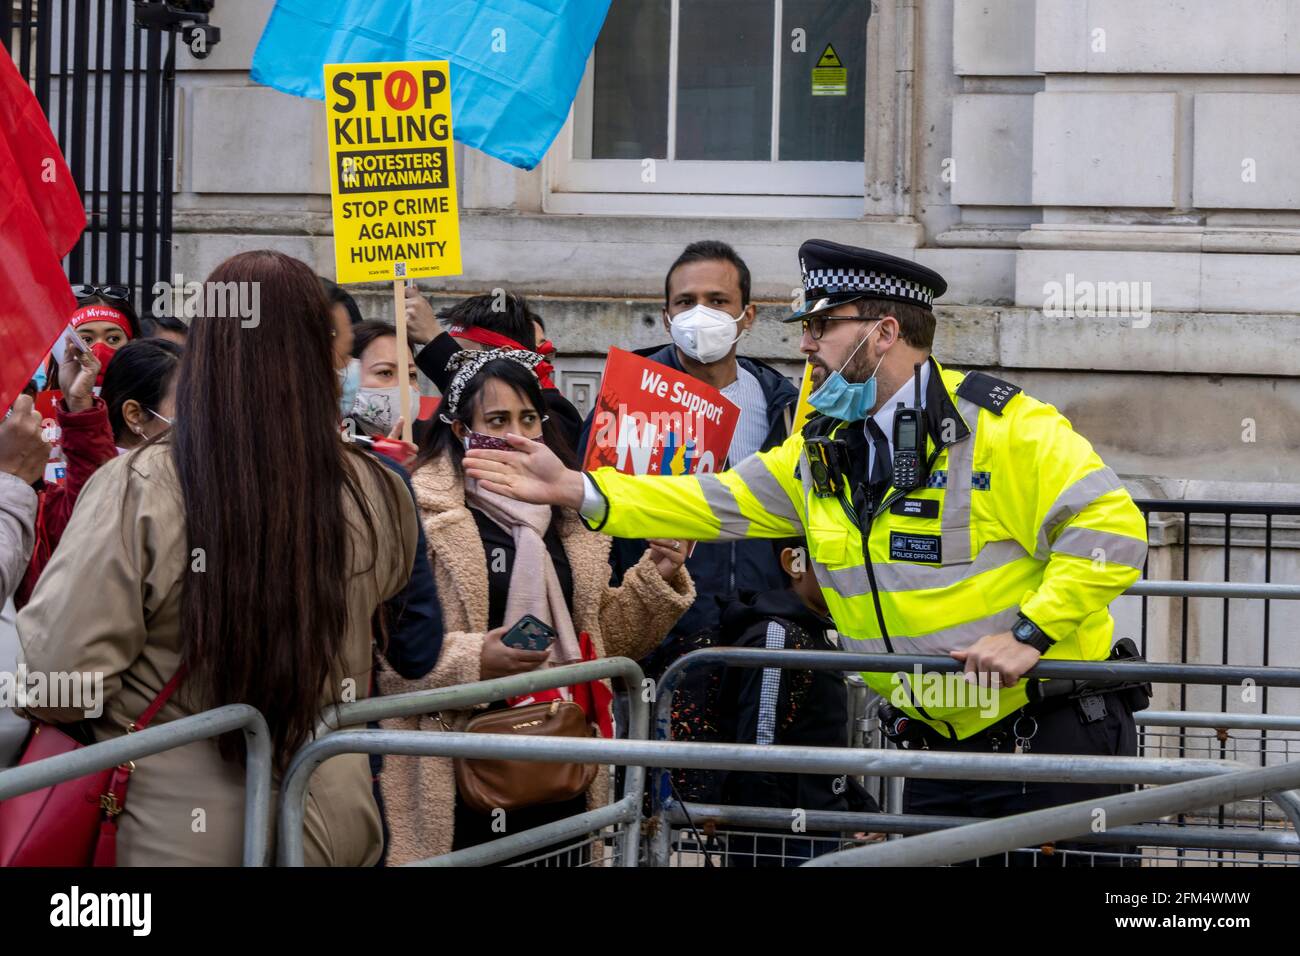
(999, 654)
(530, 473)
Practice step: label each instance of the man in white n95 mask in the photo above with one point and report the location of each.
(706, 313)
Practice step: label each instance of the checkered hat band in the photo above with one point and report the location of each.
(863, 280)
(979, 480)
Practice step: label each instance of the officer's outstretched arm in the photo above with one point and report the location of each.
(759, 498)
(1063, 505)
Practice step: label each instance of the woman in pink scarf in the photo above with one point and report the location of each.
(496, 560)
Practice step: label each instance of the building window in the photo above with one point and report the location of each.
(727, 97)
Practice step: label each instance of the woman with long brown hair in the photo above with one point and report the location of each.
(250, 546)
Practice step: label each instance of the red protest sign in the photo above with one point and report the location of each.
(654, 420)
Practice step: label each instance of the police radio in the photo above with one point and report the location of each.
(909, 442)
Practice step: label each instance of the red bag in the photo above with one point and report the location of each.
(593, 697)
(73, 823)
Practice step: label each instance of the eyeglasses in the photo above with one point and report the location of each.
(816, 326)
(119, 293)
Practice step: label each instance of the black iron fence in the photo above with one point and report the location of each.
(1235, 542)
(104, 73)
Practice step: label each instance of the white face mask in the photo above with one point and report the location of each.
(377, 407)
(705, 334)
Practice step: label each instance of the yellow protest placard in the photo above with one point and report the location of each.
(803, 412)
(392, 171)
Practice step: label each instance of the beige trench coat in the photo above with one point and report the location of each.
(628, 621)
(109, 602)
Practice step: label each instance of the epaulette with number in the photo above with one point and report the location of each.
(987, 392)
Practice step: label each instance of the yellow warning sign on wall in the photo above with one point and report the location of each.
(392, 171)
(829, 76)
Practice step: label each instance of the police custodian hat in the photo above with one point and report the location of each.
(834, 274)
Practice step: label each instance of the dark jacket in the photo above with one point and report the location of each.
(805, 708)
(413, 617)
(432, 361)
(717, 569)
(411, 637)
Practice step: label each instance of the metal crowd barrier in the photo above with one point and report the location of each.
(1211, 589)
(748, 757)
(822, 822)
(623, 815)
(1193, 537)
(1131, 770)
(168, 736)
(1065, 822)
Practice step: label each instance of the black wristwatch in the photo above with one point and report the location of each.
(1027, 632)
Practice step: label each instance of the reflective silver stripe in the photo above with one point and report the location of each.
(846, 582)
(1073, 500)
(762, 484)
(956, 497)
(722, 502)
(959, 637)
(1102, 546)
(956, 638)
(863, 645)
(905, 576)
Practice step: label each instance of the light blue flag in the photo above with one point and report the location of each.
(515, 64)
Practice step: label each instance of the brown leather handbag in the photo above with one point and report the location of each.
(488, 785)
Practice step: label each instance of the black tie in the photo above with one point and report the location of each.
(882, 470)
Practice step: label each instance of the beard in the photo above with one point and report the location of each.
(863, 366)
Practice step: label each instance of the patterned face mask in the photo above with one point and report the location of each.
(377, 407)
(475, 439)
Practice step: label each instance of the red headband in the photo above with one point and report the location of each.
(101, 313)
(497, 340)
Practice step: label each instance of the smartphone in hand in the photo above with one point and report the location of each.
(529, 634)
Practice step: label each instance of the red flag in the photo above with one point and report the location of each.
(41, 216)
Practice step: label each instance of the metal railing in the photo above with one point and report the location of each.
(1189, 527)
(746, 757)
(332, 742)
(830, 821)
(664, 809)
(764, 836)
(1065, 822)
(168, 736)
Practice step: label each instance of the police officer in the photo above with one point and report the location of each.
(1002, 538)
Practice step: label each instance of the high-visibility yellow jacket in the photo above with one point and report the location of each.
(1018, 514)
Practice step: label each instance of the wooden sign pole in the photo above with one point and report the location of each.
(403, 358)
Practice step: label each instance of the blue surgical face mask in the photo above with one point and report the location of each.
(349, 382)
(848, 401)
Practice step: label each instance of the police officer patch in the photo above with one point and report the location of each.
(925, 548)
